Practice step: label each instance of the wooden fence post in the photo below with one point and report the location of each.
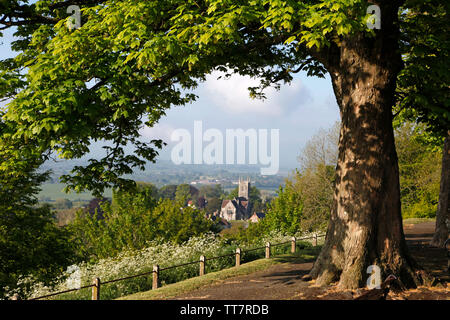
(155, 277)
(202, 265)
(315, 239)
(293, 245)
(96, 289)
(267, 250)
(238, 257)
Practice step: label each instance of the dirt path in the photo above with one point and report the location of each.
(434, 260)
(283, 281)
(276, 282)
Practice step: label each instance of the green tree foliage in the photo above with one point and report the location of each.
(148, 188)
(186, 192)
(168, 192)
(31, 245)
(317, 189)
(422, 87)
(145, 194)
(213, 205)
(132, 220)
(214, 194)
(285, 211)
(94, 206)
(130, 60)
(179, 224)
(260, 206)
(420, 168)
(212, 191)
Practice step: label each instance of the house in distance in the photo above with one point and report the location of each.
(257, 216)
(239, 208)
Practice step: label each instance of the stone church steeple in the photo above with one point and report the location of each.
(244, 188)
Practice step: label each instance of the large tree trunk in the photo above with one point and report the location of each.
(366, 224)
(443, 210)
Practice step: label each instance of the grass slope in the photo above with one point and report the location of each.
(175, 289)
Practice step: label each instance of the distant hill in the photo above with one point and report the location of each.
(164, 172)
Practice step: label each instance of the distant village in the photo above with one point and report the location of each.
(206, 194)
(238, 208)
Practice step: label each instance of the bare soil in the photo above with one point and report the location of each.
(283, 281)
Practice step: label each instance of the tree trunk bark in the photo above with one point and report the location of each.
(443, 210)
(366, 223)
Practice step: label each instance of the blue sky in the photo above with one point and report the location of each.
(298, 110)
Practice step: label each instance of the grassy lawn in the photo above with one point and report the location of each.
(175, 289)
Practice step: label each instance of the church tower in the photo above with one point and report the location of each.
(244, 188)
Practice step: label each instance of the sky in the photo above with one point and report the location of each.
(298, 110)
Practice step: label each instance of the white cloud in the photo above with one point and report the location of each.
(159, 131)
(232, 95)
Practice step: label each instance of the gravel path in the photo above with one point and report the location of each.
(283, 281)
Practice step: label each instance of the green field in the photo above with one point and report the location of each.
(53, 191)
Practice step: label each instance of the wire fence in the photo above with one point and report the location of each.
(156, 283)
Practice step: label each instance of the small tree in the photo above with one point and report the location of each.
(211, 191)
(422, 90)
(285, 212)
(168, 191)
(31, 245)
(213, 205)
(321, 149)
(420, 169)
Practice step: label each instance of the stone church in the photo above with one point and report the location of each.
(239, 208)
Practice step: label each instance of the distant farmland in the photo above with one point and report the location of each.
(53, 191)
